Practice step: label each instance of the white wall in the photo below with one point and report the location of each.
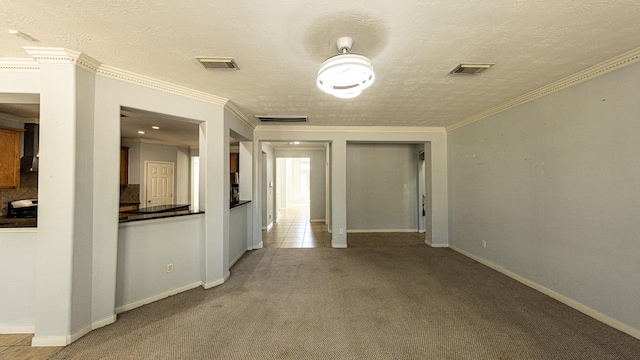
(382, 187)
(17, 280)
(239, 236)
(552, 187)
(145, 248)
(269, 192)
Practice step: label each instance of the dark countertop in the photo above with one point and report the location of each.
(158, 215)
(239, 203)
(159, 209)
(18, 222)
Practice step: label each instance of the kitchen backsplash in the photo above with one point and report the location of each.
(130, 193)
(28, 190)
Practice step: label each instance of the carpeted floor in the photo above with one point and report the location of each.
(357, 303)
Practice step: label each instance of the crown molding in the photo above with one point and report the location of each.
(62, 56)
(137, 79)
(19, 64)
(615, 63)
(351, 129)
(232, 107)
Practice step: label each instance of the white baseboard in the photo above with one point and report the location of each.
(17, 329)
(562, 298)
(157, 297)
(380, 230)
(259, 246)
(42, 341)
(435, 245)
(338, 246)
(318, 220)
(78, 334)
(215, 283)
(104, 322)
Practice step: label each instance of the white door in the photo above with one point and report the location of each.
(159, 183)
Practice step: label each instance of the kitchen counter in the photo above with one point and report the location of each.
(239, 203)
(18, 222)
(157, 212)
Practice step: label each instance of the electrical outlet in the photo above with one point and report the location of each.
(484, 244)
(341, 231)
(170, 267)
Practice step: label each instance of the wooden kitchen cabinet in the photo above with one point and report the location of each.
(124, 165)
(234, 163)
(9, 158)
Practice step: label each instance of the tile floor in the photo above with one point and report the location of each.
(294, 230)
(18, 346)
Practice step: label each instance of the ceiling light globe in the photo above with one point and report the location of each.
(345, 75)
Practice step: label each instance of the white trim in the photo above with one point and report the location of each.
(436, 245)
(78, 334)
(600, 69)
(562, 298)
(17, 329)
(380, 230)
(338, 246)
(42, 341)
(350, 129)
(19, 64)
(216, 282)
(260, 246)
(19, 230)
(62, 56)
(123, 75)
(232, 107)
(157, 297)
(104, 322)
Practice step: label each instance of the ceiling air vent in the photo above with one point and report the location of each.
(281, 118)
(470, 69)
(218, 62)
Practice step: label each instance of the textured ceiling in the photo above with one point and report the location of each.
(280, 45)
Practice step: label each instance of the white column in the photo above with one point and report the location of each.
(339, 193)
(65, 193)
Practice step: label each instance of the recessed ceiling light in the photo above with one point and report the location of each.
(294, 143)
(141, 132)
(155, 127)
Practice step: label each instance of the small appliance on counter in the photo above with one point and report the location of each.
(27, 208)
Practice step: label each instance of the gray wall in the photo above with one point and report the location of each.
(382, 187)
(553, 187)
(316, 178)
(140, 152)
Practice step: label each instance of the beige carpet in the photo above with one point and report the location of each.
(357, 303)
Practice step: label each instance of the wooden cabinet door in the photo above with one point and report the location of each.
(124, 166)
(9, 158)
(233, 163)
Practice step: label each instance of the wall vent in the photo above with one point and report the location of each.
(470, 69)
(218, 62)
(281, 118)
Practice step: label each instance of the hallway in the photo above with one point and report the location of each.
(294, 230)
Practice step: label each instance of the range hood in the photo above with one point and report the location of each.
(29, 161)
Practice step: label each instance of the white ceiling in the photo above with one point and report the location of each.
(280, 45)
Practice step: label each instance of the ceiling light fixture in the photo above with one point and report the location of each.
(345, 75)
(141, 132)
(155, 127)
